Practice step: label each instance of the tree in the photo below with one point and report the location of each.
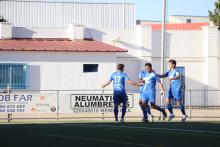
(215, 15)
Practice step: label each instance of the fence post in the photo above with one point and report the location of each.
(58, 95)
(190, 105)
(9, 117)
(103, 116)
(161, 105)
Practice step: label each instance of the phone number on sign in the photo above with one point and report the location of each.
(80, 110)
(83, 110)
(12, 108)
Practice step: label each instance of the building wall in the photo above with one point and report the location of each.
(180, 43)
(183, 19)
(218, 57)
(29, 32)
(193, 49)
(63, 70)
(132, 68)
(186, 47)
(126, 39)
(46, 14)
(196, 50)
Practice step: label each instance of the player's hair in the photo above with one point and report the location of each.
(148, 64)
(120, 67)
(172, 62)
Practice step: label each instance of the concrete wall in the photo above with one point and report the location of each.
(219, 57)
(63, 70)
(28, 32)
(126, 39)
(212, 57)
(187, 48)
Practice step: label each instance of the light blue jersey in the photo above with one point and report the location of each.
(148, 89)
(173, 74)
(175, 86)
(118, 79)
(140, 76)
(150, 80)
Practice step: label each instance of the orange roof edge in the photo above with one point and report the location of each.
(179, 26)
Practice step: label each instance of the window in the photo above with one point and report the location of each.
(188, 20)
(13, 75)
(90, 67)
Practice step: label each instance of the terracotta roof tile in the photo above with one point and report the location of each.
(57, 45)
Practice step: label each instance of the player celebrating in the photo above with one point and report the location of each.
(148, 111)
(149, 79)
(119, 77)
(174, 90)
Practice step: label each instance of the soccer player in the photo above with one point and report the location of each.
(149, 79)
(148, 111)
(119, 77)
(174, 90)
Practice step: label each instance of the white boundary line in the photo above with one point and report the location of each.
(146, 128)
(98, 140)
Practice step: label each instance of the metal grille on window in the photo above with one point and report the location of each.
(13, 75)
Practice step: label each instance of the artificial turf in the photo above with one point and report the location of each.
(106, 134)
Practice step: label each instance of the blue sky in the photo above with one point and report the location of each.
(152, 9)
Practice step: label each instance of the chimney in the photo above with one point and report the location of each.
(75, 32)
(5, 30)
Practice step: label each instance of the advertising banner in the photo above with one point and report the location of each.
(28, 103)
(91, 103)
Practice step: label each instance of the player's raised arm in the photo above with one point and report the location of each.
(163, 76)
(162, 88)
(134, 83)
(106, 84)
(161, 85)
(131, 82)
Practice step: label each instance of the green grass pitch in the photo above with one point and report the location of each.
(106, 134)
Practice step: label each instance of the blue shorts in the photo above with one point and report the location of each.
(174, 93)
(120, 97)
(148, 96)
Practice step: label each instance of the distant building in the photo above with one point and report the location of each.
(177, 19)
(59, 13)
(188, 19)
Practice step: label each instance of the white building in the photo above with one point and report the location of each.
(59, 13)
(187, 19)
(51, 64)
(194, 45)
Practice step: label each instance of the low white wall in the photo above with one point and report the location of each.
(26, 32)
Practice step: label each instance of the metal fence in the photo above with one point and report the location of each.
(200, 104)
